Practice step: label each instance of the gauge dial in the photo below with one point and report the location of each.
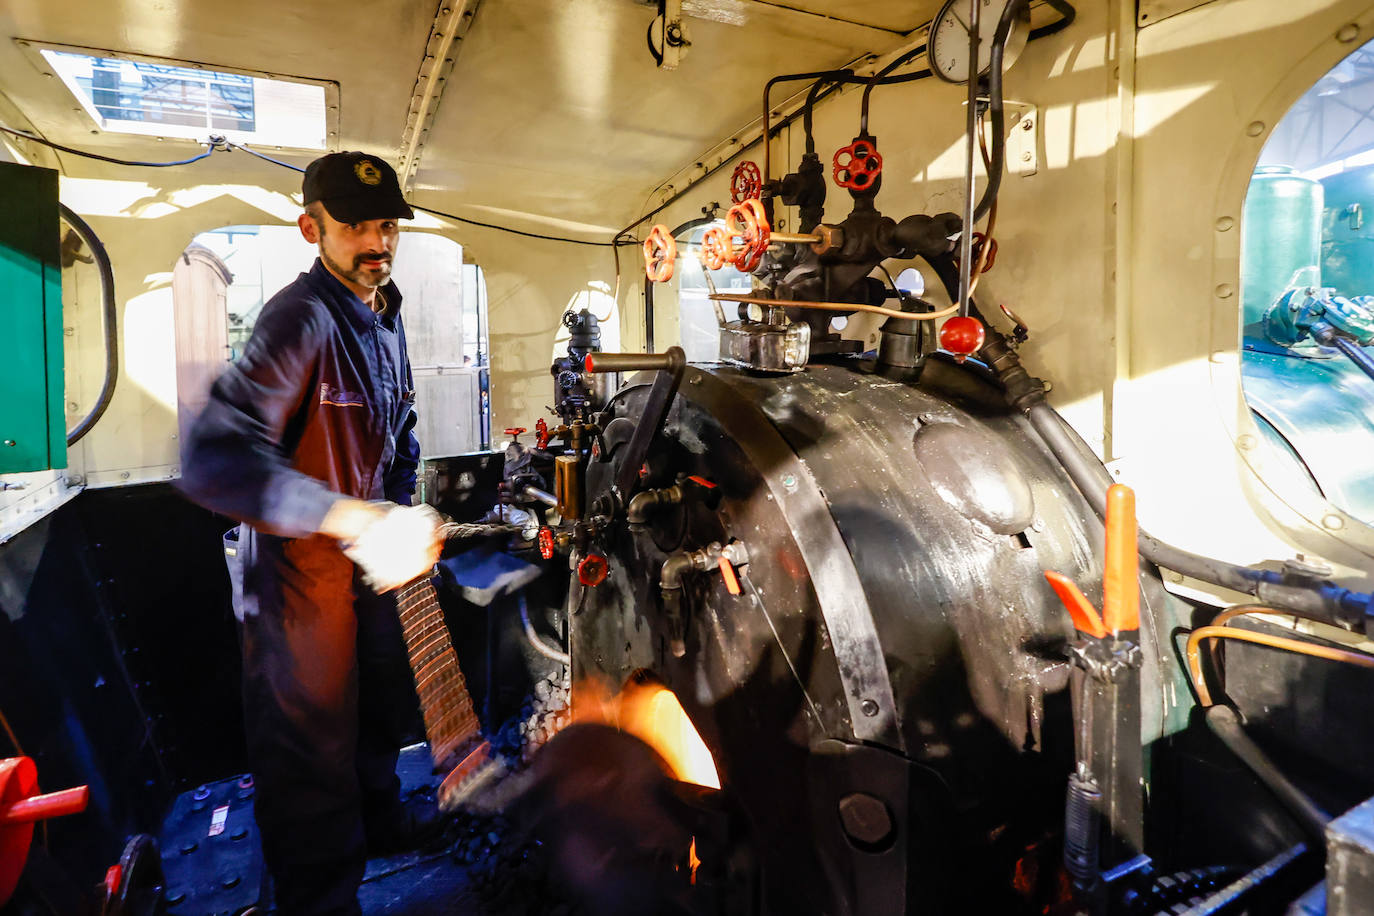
(949, 37)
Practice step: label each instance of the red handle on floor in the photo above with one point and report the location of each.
(42, 807)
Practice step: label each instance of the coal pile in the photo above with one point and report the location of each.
(509, 873)
(544, 713)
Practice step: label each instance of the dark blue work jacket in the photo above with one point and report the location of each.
(321, 404)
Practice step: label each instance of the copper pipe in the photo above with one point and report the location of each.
(837, 307)
(1274, 642)
(1245, 610)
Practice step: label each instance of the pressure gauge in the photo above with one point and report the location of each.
(948, 42)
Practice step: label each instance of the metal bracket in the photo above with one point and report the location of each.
(1023, 138)
(668, 40)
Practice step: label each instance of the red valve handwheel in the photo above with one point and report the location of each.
(858, 165)
(20, 807)
(660, 253)
(746, 182)
(514, 432)
(541, 433)
(961, 336)
(715, 248)
(593, 569)
(749, 223)
(546, 543)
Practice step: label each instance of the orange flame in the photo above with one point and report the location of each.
(652, 713)
(692, 861)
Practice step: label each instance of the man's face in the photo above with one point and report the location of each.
(360, 253)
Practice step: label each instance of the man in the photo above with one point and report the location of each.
(308, 439)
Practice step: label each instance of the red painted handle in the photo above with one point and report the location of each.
(42, 807)
(1085, 619)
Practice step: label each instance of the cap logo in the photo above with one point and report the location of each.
(367, 172)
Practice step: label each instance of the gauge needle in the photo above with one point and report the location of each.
(955, 13)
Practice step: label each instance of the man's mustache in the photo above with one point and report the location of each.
(358, 261)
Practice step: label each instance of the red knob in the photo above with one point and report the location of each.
(961, 336)
(546, 543)
(593, 569)
(746, 182)
(514, 431)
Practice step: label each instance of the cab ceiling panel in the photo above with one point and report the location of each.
(371, 50)
(556, 108)
(900, 16)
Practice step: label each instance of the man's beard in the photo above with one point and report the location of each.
(367, 277)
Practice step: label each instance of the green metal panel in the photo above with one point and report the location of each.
(1348, 232)
(32, 423)
(1282, 227)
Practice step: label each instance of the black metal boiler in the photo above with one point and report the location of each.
(840, 576)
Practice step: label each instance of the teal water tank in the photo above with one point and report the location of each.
(1282, 224)
(1348, 232)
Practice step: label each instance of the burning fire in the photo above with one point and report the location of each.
(652, 713)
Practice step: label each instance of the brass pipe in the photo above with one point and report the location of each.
(837, 307)
(795, 238)
(568, 486)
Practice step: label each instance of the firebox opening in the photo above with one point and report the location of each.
(647, 709)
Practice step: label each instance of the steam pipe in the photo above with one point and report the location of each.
(645, 502)
(108, 323)
(534, 639)
(678, 564)
(970, 134)
(543, 496)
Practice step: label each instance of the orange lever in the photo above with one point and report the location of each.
(1084, 615)
(1120, 585)
(42, 807)
(727, 572)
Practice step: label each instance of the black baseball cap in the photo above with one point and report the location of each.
(355, 187)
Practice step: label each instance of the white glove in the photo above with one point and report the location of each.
(398, 547)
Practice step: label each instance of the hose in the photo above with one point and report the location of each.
(535, 641)
(109, 323)
(1225, 724)
(1299, 646)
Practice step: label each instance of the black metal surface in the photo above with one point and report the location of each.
(1350, 861)
(118, 661)
(881, 555)
(467, 486)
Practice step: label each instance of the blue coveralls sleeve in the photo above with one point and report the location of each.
(236, 461)
(399, 485)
